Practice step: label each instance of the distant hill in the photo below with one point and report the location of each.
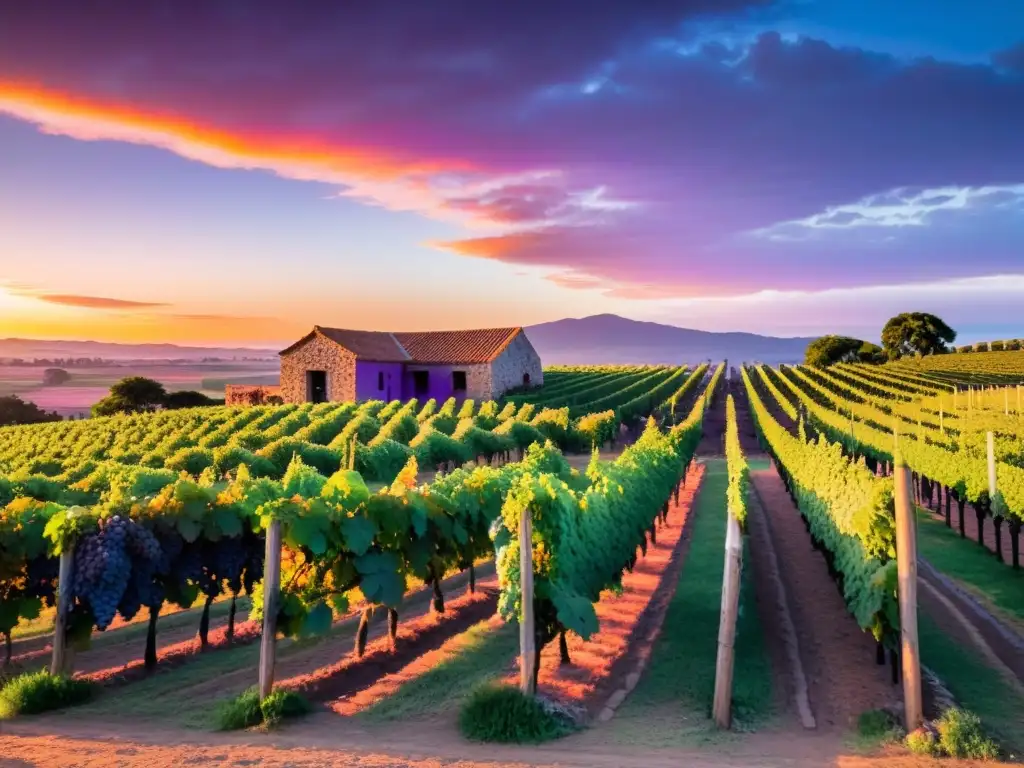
(588, 340)
(613, 339)
(34, 348)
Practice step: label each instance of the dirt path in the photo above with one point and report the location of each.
(322, 741)
(838, 658)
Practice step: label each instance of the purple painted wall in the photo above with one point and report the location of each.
(370, 377)
(439, 382)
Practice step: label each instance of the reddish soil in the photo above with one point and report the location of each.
(837, 656)
(629, 622)
(318, 742)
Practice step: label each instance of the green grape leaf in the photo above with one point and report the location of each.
(575, 613)
(340, 604)
(317, 620)
(358, 533)
(385, 587)
(308, 532)
(228, 522)
(189, 529)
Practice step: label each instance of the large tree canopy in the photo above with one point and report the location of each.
(841, 349)
(134, 394)
(14, 410)
(916, 333)
(188, 398)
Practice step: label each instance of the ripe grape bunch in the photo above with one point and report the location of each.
(103, 564)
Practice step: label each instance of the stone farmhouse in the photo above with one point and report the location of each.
(334, 364)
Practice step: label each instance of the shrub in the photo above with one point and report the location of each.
(922, 742)
(997, 346)
(1013, 345)
(960, 735)
(246, 710)
(981, 346)
(282, 705)
(965, 348)
(243, 711)
(35, 692)
(504, 714)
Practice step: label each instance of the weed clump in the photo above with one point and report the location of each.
(504, 714)
(246, 710)
(35, 692)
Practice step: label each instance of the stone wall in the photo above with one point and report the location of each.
(318, 354)
(250, 394)
(507, 371)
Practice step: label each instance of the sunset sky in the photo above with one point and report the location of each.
(224, 171)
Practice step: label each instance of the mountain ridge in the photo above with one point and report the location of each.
(591, 340)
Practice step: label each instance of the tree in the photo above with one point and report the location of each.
(54, 377)
(916, 333)
(828, 350)
(187, 398)
(14, 410)
(134, 394)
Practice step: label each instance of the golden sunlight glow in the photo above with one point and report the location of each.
(293, 156)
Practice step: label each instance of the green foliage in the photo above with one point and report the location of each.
(598, 428)
(35, 692)
(133, 394)
(14, 410)
(243, 711)
(829, 350)
(848, 510)
(923, 742)
(188, 399)
(283, 705)
(916, 333)
(961, 736)
(739, 472)
(190, 460)
(505, 715)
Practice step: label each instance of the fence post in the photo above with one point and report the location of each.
(992, 485)
(527, 636)
(722, 707)
(906, 567)
(61, 662)
(271, 601)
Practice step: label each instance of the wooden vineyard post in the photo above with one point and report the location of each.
(722, 706)
(1006, 401)
(60, 663)
(271, 600)
(906, 567)
(1018, 399)
(527, 636)
(942, 428)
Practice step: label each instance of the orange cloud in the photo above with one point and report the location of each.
(96, 302)
(294, 156)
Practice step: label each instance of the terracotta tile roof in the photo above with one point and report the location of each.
(436, 347)
(455, 347)
(378, 346)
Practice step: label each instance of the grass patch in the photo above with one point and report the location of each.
(247, 711)
(504, 714)
(482, 656)
(876, 728)
(972, 565)
(974, 684)
(36, 692)
(671, 705)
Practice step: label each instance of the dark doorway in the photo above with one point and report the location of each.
(459, 381)
(420, 382)
(316, 386)
(526, 379)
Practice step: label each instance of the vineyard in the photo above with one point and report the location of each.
(369, 559)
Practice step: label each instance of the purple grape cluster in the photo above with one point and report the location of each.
(114, 569)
